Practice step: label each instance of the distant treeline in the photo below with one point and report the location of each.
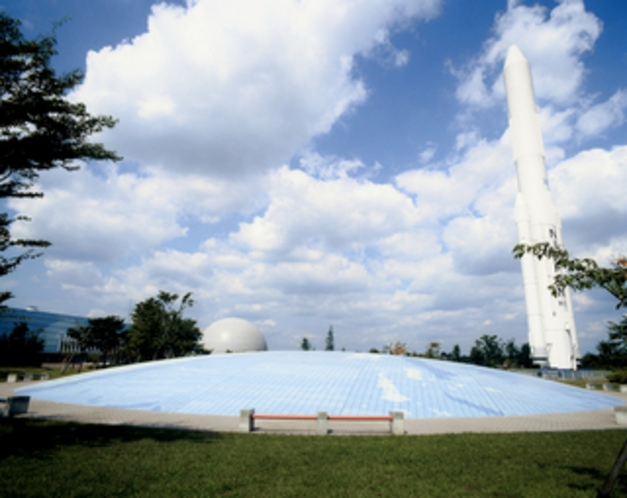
(488, 351)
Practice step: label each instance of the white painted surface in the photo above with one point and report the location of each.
(233, 335)
(552, 334)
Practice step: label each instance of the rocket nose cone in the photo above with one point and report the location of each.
(514, 55)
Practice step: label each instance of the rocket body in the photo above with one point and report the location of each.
(552, 335)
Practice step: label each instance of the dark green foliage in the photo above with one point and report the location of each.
(9, 262)
(618, 377)
(455, 354)
(580, 274)
(488, 351)
(39, 128)
(516, 357)
(21, 347)
(524, 359)
(433, 351)
(305, 345)
(618, 342)
(492, 351)
(104, 334)
(107, 334)
(330, 341)
(159, 330)
(612, 353)
(50, 459)
(511, 350)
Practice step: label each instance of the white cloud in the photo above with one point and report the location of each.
(600, 117)
(229, 87)
(481, 245)
(90, 217)
(215, 99)
(553, 43)
(443, 193)
(589, 191)
(74, 274)
(593, 181)
(427, 153)
(333, 214)
(329, 168)
(103, 214)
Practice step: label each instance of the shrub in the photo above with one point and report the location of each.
(618, 377)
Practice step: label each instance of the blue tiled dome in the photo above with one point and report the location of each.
(302, 382)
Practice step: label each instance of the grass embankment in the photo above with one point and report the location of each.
(579, 382)
(39, 458)
(54, 373)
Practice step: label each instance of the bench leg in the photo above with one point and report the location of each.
(246, 420)
(323, 423)
(397, 425)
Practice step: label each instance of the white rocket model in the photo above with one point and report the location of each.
(552, 335)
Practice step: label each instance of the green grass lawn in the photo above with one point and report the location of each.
(40, 458)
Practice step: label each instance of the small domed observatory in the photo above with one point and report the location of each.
(233, 335)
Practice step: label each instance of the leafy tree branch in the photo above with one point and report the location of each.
(580, 274)
(40, 129)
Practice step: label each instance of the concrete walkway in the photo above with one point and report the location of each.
(577, 421)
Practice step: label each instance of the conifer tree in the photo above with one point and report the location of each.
(40, 129)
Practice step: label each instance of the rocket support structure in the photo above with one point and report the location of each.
(552, 335)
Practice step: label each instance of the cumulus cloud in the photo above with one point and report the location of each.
(105, 214)
(600, 117)
(426, 154)
(225, 194)
(441, 193)
(329, 168)
(591, 182)
(74, 274)
(96, 218)
(230, 87)
(553, 41)
(589, 191)
(332, 214)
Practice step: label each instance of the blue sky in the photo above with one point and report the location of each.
(307, 163)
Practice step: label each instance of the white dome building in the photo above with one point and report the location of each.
(233, 335)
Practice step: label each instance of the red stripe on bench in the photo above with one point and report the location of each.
(267, 416)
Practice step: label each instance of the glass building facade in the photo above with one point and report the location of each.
(52, 327)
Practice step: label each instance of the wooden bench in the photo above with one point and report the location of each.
(248, 417)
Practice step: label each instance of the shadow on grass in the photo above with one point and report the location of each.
(595, 476)
(32, 438)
